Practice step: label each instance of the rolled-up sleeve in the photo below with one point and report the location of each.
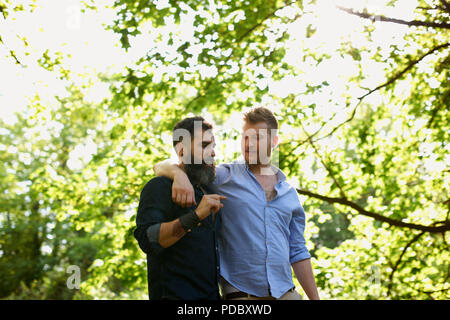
(154, 208)
(297, 246)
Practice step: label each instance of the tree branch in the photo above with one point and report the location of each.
(397, 264)
(2, 10)
(13, 55)
(387, 83)
(431, 8)
(236, 45)
(271, 14)
(415, 23)
(444, 227)
(330, 172)
(408, 67)
(445, 102)
(308, 138)
(446, 5)
(342, 123)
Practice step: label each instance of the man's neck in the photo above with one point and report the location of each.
(262, 169)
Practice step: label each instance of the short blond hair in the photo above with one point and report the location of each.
(261, 114)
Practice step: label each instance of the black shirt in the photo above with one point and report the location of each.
(188, 269)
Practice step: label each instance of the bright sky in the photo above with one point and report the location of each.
(59, 25)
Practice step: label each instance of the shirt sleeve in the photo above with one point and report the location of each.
(154, 208)
(223, 174)
(297, 246)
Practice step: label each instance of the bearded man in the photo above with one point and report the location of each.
(180, 242)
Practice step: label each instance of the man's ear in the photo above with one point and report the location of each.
(274, 141)
(179, 149)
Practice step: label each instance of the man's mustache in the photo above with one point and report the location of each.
(210, 161)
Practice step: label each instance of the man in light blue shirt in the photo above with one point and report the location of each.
(262, 220)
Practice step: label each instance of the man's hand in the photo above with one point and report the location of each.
(210, 204)
(182, 190)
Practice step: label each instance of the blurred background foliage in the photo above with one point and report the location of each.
(364, 137)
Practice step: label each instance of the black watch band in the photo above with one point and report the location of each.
(189, 220)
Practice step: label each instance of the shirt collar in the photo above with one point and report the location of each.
(281, 176)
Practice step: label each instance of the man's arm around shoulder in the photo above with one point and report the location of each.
(182, 191)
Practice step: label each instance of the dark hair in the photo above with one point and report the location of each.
(261, 114)
(188, 124)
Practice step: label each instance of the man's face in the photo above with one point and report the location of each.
(199, 163)
(256, 143)
(202, 148)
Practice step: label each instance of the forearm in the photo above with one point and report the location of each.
(170, 233)
(304, 273)
(167, 169)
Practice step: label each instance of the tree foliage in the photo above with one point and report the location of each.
(369, 154)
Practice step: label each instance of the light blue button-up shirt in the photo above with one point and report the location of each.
(258, 240)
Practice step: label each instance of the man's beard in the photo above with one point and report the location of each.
(202, 174)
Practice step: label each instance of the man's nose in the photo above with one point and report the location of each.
(252, 143)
